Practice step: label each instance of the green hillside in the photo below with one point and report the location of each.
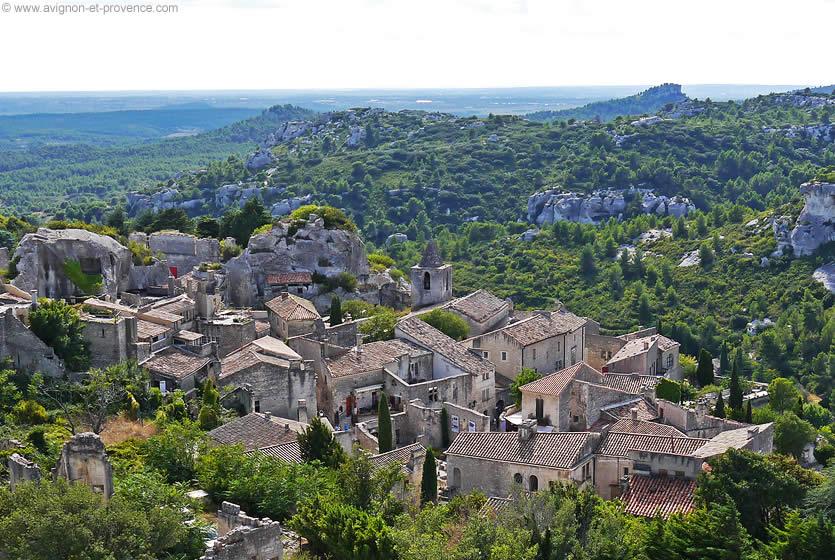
(646, 102)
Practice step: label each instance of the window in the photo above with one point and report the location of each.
(257, 406)
(540, 409)
(602, 354)
(576, 418)
(679, 474)
(427, 281)
(586, 472)
(669, 361)
(625, 471)
(533, 483)
(504, 356)
(573, 355)
(455, 393)
(485, 395)
(559, 365)
(485, 354)
(662, 472)
(433, 394)
(102, 333)
(397, 437)
(517, 478)
(485, 376)
(534, 353)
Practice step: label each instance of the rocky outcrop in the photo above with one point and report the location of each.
(816, 224)
(42, 256)
(260, 159)
(284, 207)
(285, 248)
(356, 136)
(823, 132)
(556, 205)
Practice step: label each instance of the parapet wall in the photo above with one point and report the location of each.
(245, 537)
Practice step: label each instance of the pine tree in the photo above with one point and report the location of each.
(735, 398)
(719, 411)
(748, 415)
(336, 311)
(384, 439)
(429, 480)
(704, 372)
(209, 415)
(444, 428)
(316, 443)
(588, 265)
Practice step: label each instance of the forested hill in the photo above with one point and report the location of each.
(411, 171)
(82, 180)
(648, 101)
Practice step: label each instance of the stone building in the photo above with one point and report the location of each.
(279, 380)
(177, 368)
(695, 421)
(419, 423)
(182, 251)
(546, 341)
(410, 459)
(645, 352)
(22, 470)
(291, 315)
(482, 311)
(230, 329)
(113, 339)
(84, 460)
(259, 430)
(581, 398)
(496, 462)
(431, 279)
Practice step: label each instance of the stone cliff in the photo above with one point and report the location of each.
(816, 224)
(556, 205)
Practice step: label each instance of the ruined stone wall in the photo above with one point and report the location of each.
(229, 335)
(245, 538)
(28, 352)
(108, 341)
(84, 460)
(22, 470)
(600, 349)
(277, 388)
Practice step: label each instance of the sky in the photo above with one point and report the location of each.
(330, 44)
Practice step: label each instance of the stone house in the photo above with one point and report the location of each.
(575, 398)
(546, 341)
(482, 311)
(280, 381)
(496, 462)
(230, 329)
(176, 368)
(112, 339)
(645, 352)
(431, 279)
(409, 459)
(298, 283)
(458, 375)
(291, 315)
(84, 460)
(23, 347)
(419, 423)
(256, 431)
(695, 421)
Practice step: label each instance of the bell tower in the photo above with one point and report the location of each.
(431, 279)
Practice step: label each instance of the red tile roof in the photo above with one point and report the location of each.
(373, 356)
(555, 383)
(541, 327)
(176, 363)
(629, 426)
(256, 430)
(289, 452)
(293, 308)
(629, 382)
(290, 278)
(432, 339)
(649, 496)
(618, 444)
(478, 306)
(559, 450)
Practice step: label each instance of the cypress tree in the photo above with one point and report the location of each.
(704, 372)
(336, 311)
(719, 411)
(724, 362)
(429, 480)
(748, 415)
(384, 439)
(444, 428)
(735, 398)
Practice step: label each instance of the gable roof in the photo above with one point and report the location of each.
(645, 409)
(399, 456)
(373, 356)
(559, 450)
(175, 362)
(555, 383)
(619, 444)
(478, 306)
(648, 496)
(638, 346)
(293, 308)
(266, 349)
(147, 329)
(257, 430)
(736, 439)
(282, 278)
(541, 327)
(629, 382)
(437, 342)
(289, 452)
(629, 426)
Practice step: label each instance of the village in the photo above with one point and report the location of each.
(591, 417)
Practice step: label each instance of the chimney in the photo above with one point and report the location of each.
(172, 286)
(302, 414)
(359, 343)
(268, 415)
(286, 427)
(526, 430)
(634, 412)
(646, 345)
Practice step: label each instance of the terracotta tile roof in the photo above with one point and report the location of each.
(188, 336)
(555, 383)
(175, 362)
(283, 278)
(478, 306)
(559, 450)
(618, 444)
(256, 430)
(176, 306)
(495, 506)
(293, 308)
(539, 327)
(648, 496)
(646, 410)
(736, 439)
(374, 356)
(437, 342)
(399, 456)
(160, 316)
(665, 343)
(262, 328)
(289, 452)
(146, 329)
(629, 426)
(638, 346)
(629, 382)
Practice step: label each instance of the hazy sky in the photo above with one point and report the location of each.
(278, 44)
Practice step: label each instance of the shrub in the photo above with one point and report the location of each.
(30, 412)
(448, 323)
(334, 218)
(229, 250)
(140, 253)
(87, 284)
(668, 389)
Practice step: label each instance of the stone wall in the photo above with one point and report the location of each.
(229, 333)
(184, 251)
(108, 338)
(84, 460)
(244, 538)
(278, 388)
(27, 352)
(421, 424)
(22, 470)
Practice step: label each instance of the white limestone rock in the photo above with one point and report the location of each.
(816, 224)
(261, 159)
(284, 207)
(554, 205)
